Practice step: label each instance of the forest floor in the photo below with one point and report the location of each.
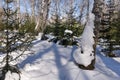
(54, 62)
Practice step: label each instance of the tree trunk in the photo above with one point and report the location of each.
(32, 9)
(43, 15)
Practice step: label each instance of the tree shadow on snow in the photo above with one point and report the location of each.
(63, 72)
(30, 59)
(110, 63)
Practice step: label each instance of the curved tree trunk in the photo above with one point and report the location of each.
(85, 56)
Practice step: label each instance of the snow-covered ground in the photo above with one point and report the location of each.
(54, 62)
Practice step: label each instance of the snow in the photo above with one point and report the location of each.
(117, 59)
(39, 36)
(11, 76)
(87, 42)
(54, 62)
(50, 36)
(68, 31)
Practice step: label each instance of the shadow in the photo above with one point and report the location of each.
(86, 76)
(110, 63)
(30, 59)
(63, 73)
(36, 41)
(72, 52)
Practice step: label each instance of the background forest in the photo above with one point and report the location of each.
(62, 22)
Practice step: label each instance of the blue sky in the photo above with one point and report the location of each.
(24, 4)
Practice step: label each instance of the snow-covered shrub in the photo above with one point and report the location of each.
(68, 38)
(63, 29)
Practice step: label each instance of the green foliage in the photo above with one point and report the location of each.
(111, 34)
(110, 31)
(1, 26)
(17, 38)
(58, 29)
(27, 27)
(115, 31)
(77, 29)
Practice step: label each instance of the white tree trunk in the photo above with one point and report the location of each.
(43, 15)
(18, 8)
(32, 9)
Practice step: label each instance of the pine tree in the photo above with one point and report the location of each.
(109, 27)
(14, 39)
(107, 30)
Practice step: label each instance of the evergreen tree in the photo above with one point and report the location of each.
(13, 40)
(108, 30)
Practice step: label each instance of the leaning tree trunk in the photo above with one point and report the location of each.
(85, 55)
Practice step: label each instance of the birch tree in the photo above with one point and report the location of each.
(43, 10)
(33, 9)
(17, 3)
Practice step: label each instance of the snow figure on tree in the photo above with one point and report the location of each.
(84, 56)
